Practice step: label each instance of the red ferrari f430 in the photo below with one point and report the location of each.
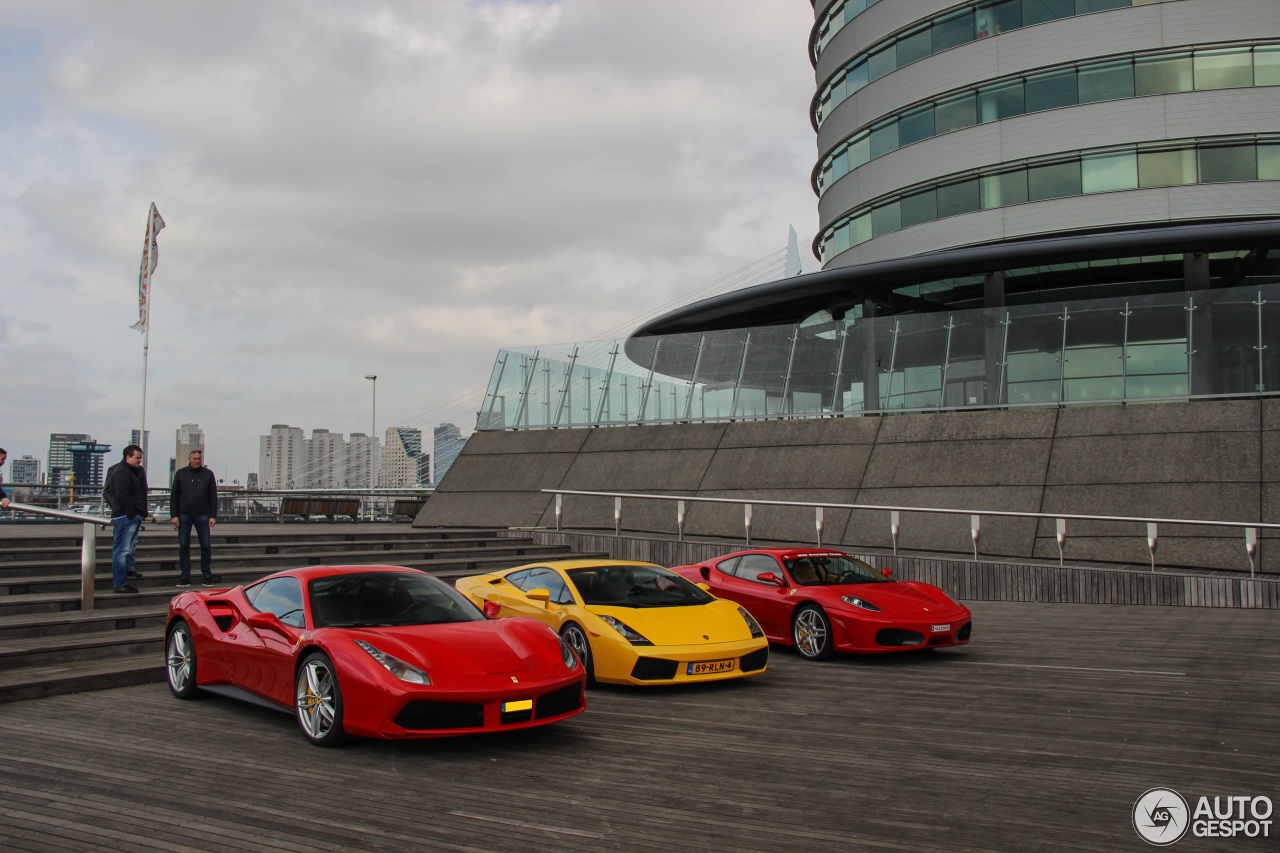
(823, 601)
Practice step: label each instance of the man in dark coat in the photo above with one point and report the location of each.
(126, 494)
(193, 502)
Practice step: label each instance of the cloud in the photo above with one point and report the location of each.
(395, 187)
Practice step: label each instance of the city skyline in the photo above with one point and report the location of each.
(403, 192)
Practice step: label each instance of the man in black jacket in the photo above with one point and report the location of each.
(193, 501)
(126, 494)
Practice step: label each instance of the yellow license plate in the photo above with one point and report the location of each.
(517, 705)
(711, 666)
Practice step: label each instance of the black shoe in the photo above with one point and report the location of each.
(210, 581)
(182, 583)
(126, 590)
(133, 575)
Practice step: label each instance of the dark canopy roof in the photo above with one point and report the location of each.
(791, 300)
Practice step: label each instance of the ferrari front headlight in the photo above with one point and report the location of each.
(631, 635)
(395, 666)
(566, 653)
(756, 630)
(861, 603)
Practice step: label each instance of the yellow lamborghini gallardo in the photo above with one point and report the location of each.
(629, 623)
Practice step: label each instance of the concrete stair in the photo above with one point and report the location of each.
(48, 645)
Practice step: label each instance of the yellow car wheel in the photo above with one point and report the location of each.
(577, 640)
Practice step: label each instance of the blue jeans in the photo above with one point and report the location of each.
(201, 523)
(124, 546)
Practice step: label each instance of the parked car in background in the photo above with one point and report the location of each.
(824, 601)
(629, 623)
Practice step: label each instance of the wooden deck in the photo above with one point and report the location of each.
(1038, 736)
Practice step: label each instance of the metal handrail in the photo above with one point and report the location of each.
(1250, 528)
(88, 544)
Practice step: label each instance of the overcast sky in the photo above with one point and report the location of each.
(358, 187)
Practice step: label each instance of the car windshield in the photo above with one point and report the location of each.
(387, 598)
(636, 586)
(830, 569)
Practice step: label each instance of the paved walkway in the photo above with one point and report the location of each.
(1039, 736)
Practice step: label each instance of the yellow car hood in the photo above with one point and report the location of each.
(717, 622)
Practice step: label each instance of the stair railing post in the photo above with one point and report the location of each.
(88, 564)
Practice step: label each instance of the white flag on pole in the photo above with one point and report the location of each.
(150, 257)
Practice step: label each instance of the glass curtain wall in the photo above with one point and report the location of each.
(1163, 346)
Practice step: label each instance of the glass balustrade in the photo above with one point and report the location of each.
(1157, 347)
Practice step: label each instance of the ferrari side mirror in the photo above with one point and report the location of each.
(264, 620)
(887, 572)
(704, 587)
(770, 577)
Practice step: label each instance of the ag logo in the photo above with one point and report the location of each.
(1161, 816)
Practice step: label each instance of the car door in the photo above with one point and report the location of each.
(263, 650)
(768, 602)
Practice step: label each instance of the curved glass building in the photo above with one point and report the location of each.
(1021, 202)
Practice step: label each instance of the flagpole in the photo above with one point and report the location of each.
(146, 328)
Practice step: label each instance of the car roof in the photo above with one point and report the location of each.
(788, 553)
(307, 573)
(577, 564)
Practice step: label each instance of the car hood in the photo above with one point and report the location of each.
(717, 622)
(902, 598)
(489, 648)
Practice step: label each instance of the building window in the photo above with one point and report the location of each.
(1106, 82)
(1052, 90)
(1101, 173)
(1223, 69)
(1166, 168)
(1162, 75)
(957, 198)
(919, 207)
(1228, 163)
(1053, 181)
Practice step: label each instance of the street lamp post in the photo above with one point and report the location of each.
(373, 439)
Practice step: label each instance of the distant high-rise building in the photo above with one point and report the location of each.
(424, 470)
(189, 437)
(326, 459)
(143, 441)
(448, 444)
(86, 462)
(59, 461)
(23, 470)
(281, 457)
(361, 454)
(251, 482)
(400, 454)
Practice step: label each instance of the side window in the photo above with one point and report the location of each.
(729, 566)
(754, 565)
(279, 596)
(520, 579)
(552, 582)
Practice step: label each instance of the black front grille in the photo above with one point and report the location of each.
(425, 714)
(654, 669)
(754, 661)
(965, 630)
(898, 637)
(563, 701)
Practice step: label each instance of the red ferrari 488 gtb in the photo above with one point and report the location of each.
(376, 651)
